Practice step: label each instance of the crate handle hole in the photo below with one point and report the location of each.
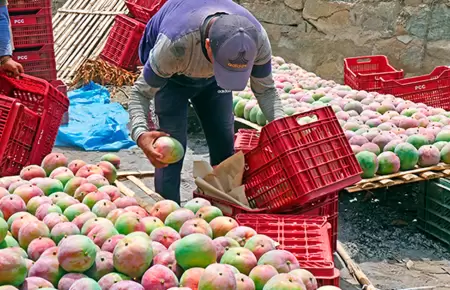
(304, 120)
(364, 60)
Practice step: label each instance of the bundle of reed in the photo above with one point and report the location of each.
(103, 73)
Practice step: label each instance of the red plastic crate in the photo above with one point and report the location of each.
(245, 140)
(39, 62)
(45, 100)
(121, 48)
(327, 206)
(18, 128)
(295, 164)
(432, 89)
(331, 280)
(365, 72)
(32, 29)
(307, 237)
(144, 10)
(27, 5)
(62, 87)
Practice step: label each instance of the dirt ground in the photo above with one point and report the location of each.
(378, 229)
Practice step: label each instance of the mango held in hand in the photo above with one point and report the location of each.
(171, 150)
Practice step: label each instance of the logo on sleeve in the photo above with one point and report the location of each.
(239, 61)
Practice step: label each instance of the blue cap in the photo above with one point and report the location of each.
(234, 47)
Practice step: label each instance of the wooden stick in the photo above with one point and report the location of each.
(247, 123)
(145, 189)
(128, 192)
(427, 287)
(136, 173)
(125, 190)
(354, 269)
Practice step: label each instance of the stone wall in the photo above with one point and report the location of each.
(319, 34)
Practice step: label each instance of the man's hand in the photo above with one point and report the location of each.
(145, 142)
(12, 68)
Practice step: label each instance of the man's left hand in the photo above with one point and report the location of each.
(12, 68)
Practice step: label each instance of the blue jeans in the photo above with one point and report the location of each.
(213, 106)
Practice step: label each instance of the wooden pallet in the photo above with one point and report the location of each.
(404, 177)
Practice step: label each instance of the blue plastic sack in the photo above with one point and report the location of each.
(95, 124)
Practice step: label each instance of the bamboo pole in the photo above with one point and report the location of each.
(78, 11)
(354, 269)
(71, 4)
(102, 31)
(80, 27)
(64, 32)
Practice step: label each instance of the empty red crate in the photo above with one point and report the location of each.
(306, 237)
(432, 89)
(121, 48)
(32, 29)
(143, 10)
(42, 98)
(365, 72)
(327, 206)
(299, 160)
(18, 128)
(27, 5)
(245, 140)
(39, 62)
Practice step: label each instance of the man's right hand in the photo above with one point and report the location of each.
(145, 142)
(12, 68)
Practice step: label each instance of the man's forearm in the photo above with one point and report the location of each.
(5, 35)
(139, 108)
(267, 96)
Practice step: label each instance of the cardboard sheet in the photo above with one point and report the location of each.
(224, 181)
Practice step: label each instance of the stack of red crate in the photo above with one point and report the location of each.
(293, 167)
(121, 48)
(31, 23)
